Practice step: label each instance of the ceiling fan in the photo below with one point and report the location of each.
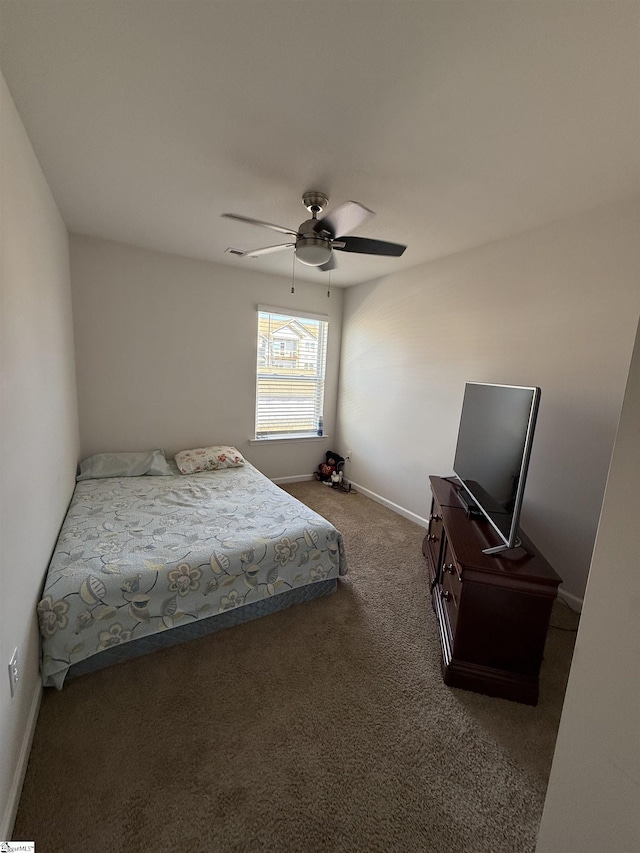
(316, 238)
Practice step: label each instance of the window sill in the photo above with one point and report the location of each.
(287, 438)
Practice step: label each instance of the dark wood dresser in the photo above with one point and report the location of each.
(493, 611)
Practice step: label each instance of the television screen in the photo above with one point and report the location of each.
(493, 449)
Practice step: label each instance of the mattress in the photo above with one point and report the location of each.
(137, 556)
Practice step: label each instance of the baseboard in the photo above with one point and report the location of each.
(13, 800)
(298, 478)
(412, 516)
(573, 601)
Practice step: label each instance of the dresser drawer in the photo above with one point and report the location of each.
(451, 588)
(432, 544)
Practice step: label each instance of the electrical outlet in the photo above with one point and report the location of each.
(347, 456)
(14, 672)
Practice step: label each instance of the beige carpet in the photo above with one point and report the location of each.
(324, 727)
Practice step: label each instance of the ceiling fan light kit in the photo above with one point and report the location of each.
(317, 238)
(313, 251)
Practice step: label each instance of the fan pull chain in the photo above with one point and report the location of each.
(329, 288)
(293, 273)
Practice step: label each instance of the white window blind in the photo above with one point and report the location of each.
(292, 356)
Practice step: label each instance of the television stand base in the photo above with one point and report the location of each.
(498, 549)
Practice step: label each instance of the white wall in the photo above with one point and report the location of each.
(555, 307)
(593, 797)
(39, 429)
(166, 351)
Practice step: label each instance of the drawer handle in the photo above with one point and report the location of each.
(445, 594)
(431, 537)
(448, 567)
(435, 517)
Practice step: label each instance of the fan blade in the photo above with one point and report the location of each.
(370, 247)
(344, 218)
(250, 221)
(269, 249)
(330, 265)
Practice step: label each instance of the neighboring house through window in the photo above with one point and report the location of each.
(292, 355)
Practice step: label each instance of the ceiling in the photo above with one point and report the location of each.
(459, 123)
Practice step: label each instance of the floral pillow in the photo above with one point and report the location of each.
(208, 459)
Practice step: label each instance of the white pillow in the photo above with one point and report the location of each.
(208, 459)
(134, 464)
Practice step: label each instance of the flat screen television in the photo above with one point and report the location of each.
(492, 454)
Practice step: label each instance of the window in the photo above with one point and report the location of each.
(292, 356)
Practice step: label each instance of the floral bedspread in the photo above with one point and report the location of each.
(138, 555)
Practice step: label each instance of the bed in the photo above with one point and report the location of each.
(143, 562)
